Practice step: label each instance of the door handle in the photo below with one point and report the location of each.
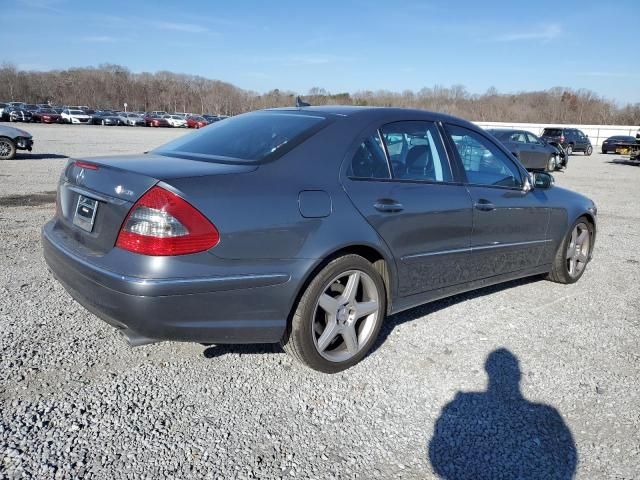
(387, 205)
(484, 205)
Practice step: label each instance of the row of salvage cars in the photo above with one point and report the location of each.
(535, 153)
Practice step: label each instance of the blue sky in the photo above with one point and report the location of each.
(340, 45)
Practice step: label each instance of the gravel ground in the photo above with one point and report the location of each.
(76, 401)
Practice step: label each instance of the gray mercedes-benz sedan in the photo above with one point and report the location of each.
(306, 226)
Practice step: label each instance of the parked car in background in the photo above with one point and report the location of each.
(384, 209)
(155, 120)
(46, 115)
(58, 110)
(75, 116)
(159, 113)
(12, 139)
(610, 144)
(16, 114)
(31, 107)
(89, 111)
(131, 119)
(17, 104)
(211, 118)
(571, 139)
(197, 122)
(175, 120)
(534, 153)
(3, 105)
(105, 117)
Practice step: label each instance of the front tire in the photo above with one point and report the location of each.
(7, 149)
(569, 150)
(574, 253)
(338, 317)
(552, 165)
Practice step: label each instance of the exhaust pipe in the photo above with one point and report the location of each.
(135, 340)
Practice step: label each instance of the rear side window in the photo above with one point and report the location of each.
(416, 152)
(369, 160)
(518, 137)
(246, 138)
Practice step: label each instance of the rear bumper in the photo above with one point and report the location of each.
(249, 308)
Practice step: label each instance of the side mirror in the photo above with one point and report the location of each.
(543, 180)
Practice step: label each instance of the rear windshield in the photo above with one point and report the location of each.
(248, 138)
(552, 132)
(623, 138)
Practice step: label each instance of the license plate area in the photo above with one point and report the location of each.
(85, 213)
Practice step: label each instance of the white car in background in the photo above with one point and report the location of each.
(175, 120)
(74, 116)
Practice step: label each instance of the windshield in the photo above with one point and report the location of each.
(76, 112)
(46, 110)
(250, 137)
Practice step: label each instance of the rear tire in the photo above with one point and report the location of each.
(7, 149)
(331, 328)
(573, 254)
(588, 151)
(569, 150)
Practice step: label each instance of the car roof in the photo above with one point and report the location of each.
(373, 113)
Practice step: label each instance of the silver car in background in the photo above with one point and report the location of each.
(131, 119)
(12, 139)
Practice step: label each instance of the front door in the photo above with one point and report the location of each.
(509, 222)
(399, 178)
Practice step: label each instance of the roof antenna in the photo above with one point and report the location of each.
(300, 103)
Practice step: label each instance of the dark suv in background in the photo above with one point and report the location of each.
(571, 139)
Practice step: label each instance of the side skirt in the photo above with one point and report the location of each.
(405, 303)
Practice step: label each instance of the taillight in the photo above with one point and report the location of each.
(87, 165)
(162, 224)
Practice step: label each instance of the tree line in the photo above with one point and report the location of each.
(110, 86)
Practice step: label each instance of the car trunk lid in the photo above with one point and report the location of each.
(96, 194)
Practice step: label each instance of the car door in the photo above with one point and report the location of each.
(539, 152)
(518, 142)
(400, 179)
(510, 221)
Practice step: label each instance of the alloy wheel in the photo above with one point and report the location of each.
(578, 250)
(345, 316)
(5, 148)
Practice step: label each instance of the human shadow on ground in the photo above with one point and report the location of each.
(498, 434)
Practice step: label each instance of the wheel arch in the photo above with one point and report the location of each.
(381, 261)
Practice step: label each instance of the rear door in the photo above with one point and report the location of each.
(400, 179)
(509, 222)
(539, 153)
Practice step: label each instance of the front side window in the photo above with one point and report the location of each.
(369, 160)
(483, 162)
(416, 152)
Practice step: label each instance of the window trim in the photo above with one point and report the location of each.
(463, 173)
